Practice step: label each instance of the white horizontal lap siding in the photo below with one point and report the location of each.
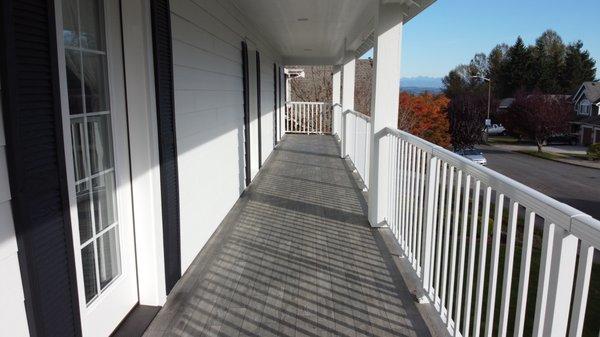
(207, 69)
(13, 320)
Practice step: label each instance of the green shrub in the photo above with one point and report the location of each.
(593, 152)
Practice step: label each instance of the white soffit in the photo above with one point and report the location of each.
(314, 31)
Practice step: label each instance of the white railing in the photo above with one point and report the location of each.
(464, 229)
(308, 117)
(356, 143)
(442, 207)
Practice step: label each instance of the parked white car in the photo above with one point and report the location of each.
(473, 155)
(495, 130)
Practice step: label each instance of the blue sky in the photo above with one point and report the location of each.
(450, 32)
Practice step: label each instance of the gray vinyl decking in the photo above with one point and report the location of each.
(294, 257)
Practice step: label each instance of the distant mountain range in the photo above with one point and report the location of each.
(420, 84)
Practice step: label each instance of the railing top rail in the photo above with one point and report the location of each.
(569, 218)
(314, 103)
(358, 114)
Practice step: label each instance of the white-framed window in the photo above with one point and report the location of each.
(585, 107)
(92, 140)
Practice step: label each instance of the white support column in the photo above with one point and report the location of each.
(282, 96)
(384, 105)
(348, 77)
(336, 99)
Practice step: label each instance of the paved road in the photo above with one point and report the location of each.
(573, 185)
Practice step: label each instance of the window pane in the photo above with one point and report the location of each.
(109, 264)
(100, 143)
(78, 140)
(89, 272)
(73, 65)
(92, 24)
(84, 211)
(104, 200)
(70, 29)
(95, 82)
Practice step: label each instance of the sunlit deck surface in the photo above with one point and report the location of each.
(294, 257)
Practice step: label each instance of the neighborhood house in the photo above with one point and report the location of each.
(587, 113)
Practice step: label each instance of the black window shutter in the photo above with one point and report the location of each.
(167, 139)
(36, 165)
(258, 112)
(246, 84)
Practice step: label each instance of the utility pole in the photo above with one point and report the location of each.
(487, 121)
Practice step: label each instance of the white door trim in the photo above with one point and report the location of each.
(143, 141)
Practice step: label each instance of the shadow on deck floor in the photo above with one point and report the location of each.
(294, 257)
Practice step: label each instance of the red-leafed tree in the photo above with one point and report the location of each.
(425, 116)
(537, 116)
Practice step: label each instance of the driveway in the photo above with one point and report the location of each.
(574, 185)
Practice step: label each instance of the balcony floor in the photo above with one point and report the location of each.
(294, 257)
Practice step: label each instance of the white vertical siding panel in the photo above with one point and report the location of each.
(12, 309)
(4, 185)
(8, 242)
(13, 320)
(267, 104)
(207, 71)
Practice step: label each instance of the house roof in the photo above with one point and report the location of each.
(591, 91)
(593, 120)
(505, 103)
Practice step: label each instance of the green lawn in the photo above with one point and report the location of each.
(544, 155)
(502, 140)
(553, 155)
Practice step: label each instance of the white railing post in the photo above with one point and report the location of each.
(562, 271)
(385, 97)
(343, 135)
(428, 225)
(584, 271)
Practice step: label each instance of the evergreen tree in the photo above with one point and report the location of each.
(453, 83)
(517, 72)
(549, 62)
(579, 67)
(496, 61)
(548, 66)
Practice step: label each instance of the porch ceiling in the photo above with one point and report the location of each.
(313, 31)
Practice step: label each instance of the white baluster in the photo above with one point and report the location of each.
(493, 277)
(524, 273)
(482, 259)
(427, 258)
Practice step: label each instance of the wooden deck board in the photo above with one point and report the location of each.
(294, 257)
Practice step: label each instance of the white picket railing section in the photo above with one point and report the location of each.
(441, 208)
(455, 219)
(356, 143)
(308, 117)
